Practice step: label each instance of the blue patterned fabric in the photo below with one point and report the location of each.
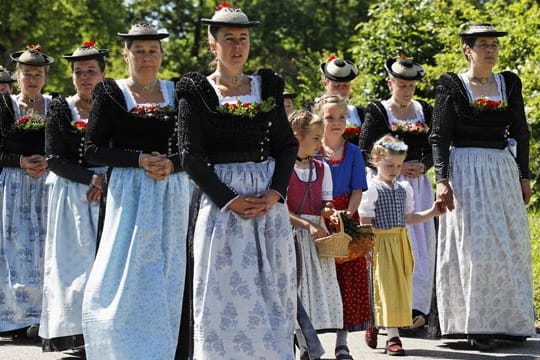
(23, 217)
(133, 298)
(70, 249)
(244, 275)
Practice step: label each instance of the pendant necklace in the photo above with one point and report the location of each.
(148, 87)
(234, 80)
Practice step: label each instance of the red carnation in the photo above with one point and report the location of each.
(332, 57)
(224, 5)
(89, 43)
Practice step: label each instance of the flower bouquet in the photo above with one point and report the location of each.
(30, 122)
(409, 127)
(351, 133)
(363, 238)
(249, 110)
(485, 104)
(152, 111)
(79, 125)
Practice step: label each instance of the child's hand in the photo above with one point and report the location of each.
(316, 231)
(438, 208)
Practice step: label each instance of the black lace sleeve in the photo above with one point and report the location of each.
(56, 145)
(375, 126)
(443, 125)
(7, 158)
(108, 106)
(519, 129)
(192, 107)
(427, 151)
(283, 144)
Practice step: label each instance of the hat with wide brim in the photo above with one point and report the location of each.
(404, 68)
(228, 16)
(33, 55)
(339, 70)
(6, 76)
(87, 51)
(482, 30)
(143, 31)
(289, 95)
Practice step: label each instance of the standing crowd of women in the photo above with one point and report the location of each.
(143, 219)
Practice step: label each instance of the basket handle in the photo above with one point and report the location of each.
(341, 224)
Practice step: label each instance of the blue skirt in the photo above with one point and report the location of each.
(133, 298)
(244, 275)
(23, 220)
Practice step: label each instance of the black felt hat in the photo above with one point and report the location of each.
(6, 76)
(227, 15)
(483, 30)
(33, 55)
(404, 68)
(143, 31)
(87, 51)
(340, 70)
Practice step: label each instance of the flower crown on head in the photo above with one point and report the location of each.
(393, 146)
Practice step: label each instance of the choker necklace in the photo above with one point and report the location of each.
(86, 101)
(234, 80)
(148, 87)
(482, 81)
(30, 101)
(401, 106)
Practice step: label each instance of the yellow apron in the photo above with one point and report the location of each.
(393, 265)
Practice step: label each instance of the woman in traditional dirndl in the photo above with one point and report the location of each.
(239, 150)
(133, 299)
(480, 141)
(23, 195)
(75, 188)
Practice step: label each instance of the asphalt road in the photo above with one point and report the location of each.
(417, 346)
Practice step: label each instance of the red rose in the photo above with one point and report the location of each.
(246, 105)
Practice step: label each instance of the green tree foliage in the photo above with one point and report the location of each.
(59, 27)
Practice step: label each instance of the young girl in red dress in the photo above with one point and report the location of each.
(349, 181)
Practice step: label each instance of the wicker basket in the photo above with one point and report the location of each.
(361, 244)
(335, 245)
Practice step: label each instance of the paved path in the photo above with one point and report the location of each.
(417, 347)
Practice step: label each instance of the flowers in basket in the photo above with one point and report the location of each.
(363, 238)
(30, 121)
(351, 132)
(151, 111)
(249, 110)
(485, 104)
(402, 126)
(79, 125)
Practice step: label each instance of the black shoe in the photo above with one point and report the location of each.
(481, 342)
